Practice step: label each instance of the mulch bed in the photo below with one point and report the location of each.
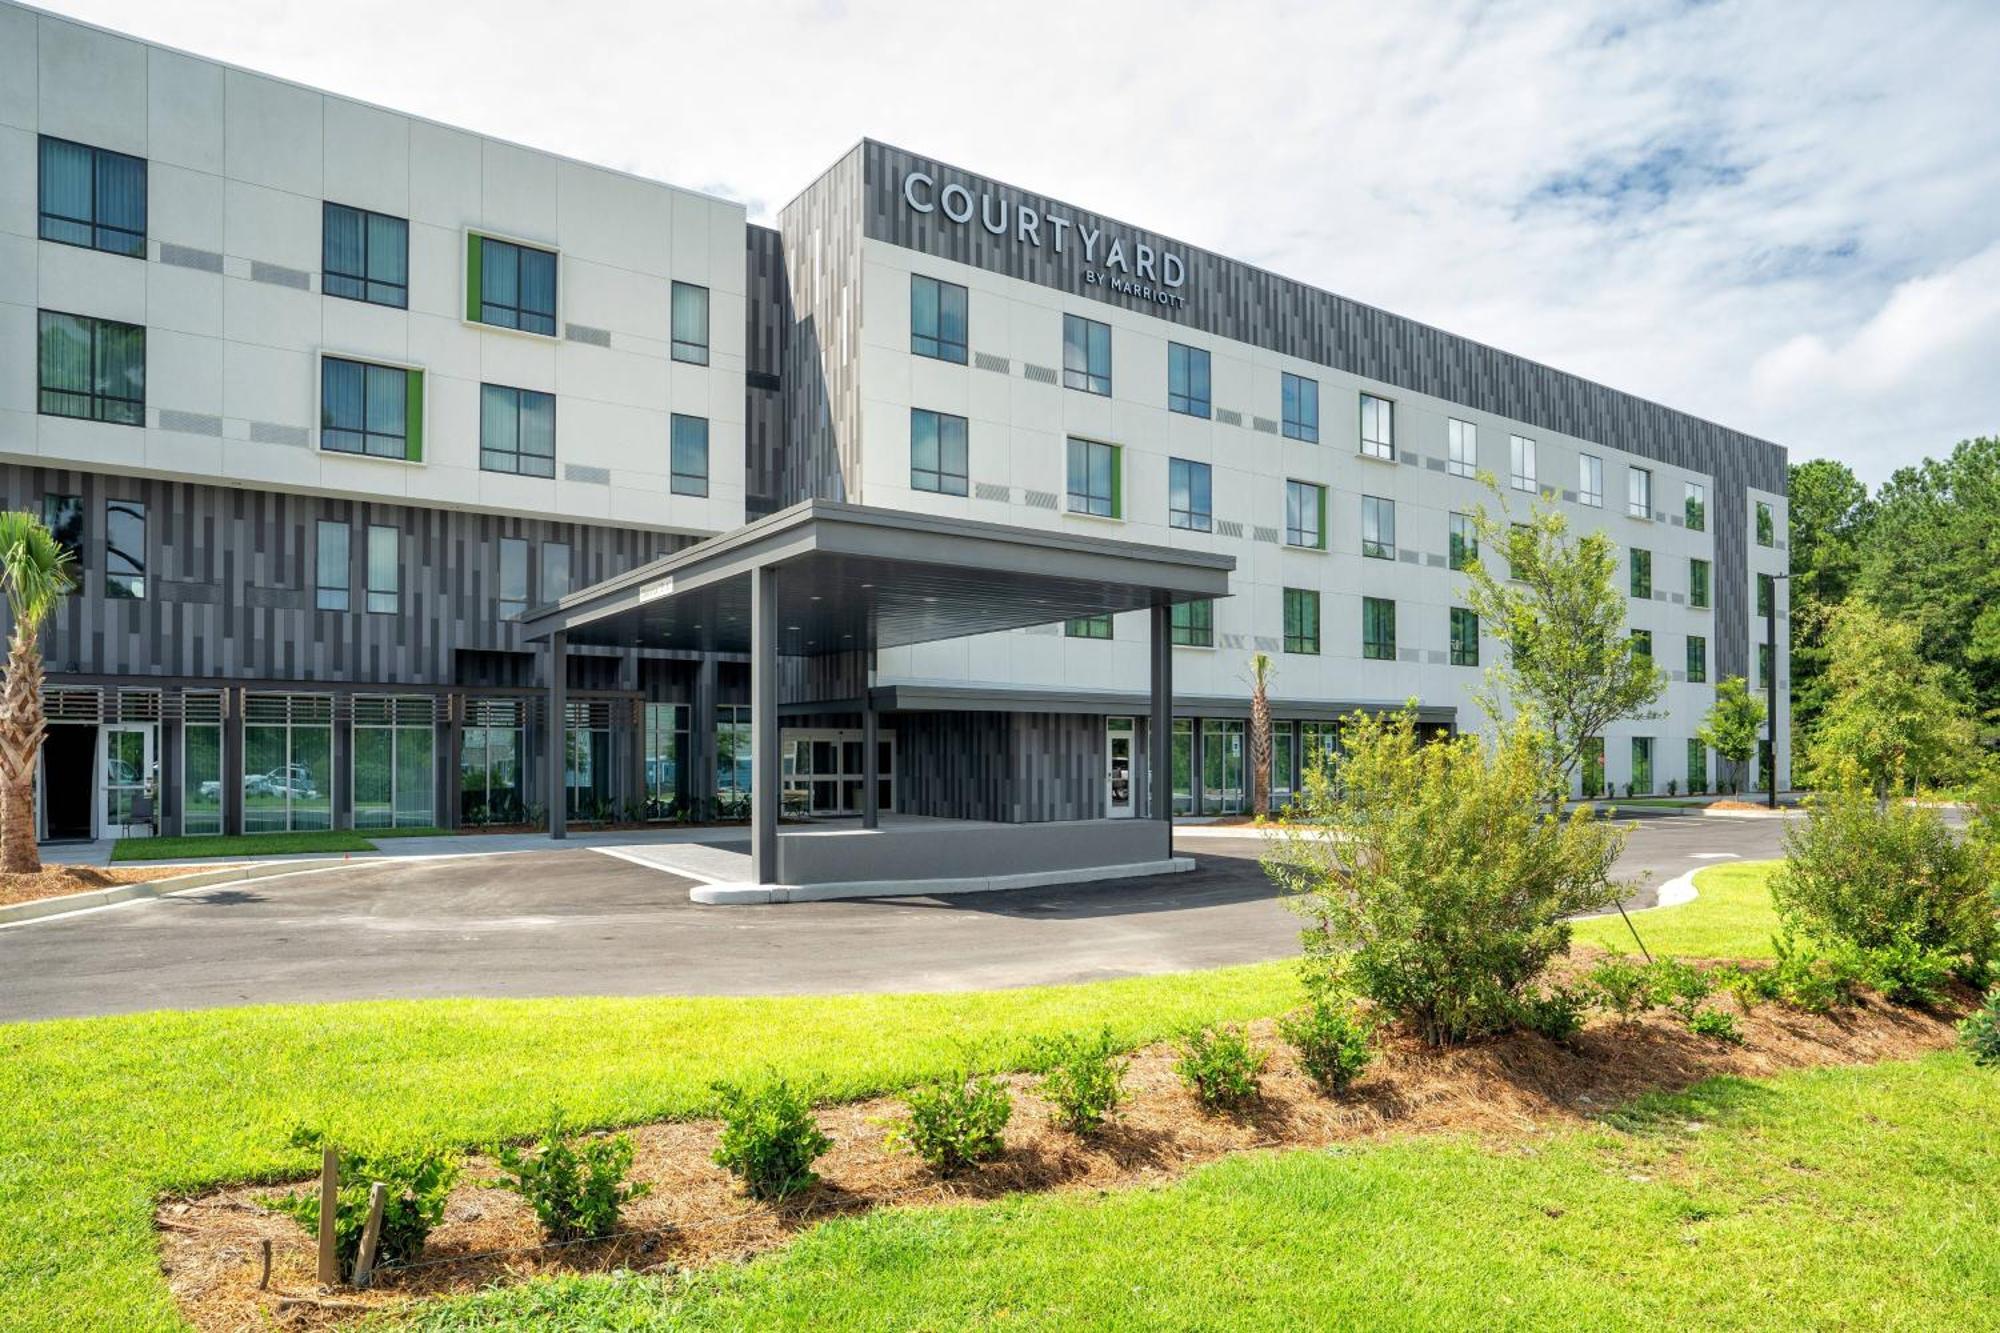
(1501, 1092)
(54, 881)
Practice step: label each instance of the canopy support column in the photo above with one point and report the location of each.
(871, 761)
(1160, 726)
(766, 765)
(557, 732)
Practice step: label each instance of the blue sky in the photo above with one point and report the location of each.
(1782, 216)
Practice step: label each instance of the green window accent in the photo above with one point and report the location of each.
(1697, 658)
(1698, 583)
(1117, 481)
(1193, 624)
(1322, 518)
(1593, 765)
(414, 441)
(1767, 589)
(1088, 627)
(1642, 764)
(1642, 573)
(1642, 643)
(1697, 765)
(1464, 637)
(1378, 629)
(1302, 620)
(473, 275)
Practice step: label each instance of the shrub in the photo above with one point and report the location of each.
(1556, 1013)
(1082, 1079)
(956, 1122)
(1717, 1023)
(1331, 1041)
(1980, 1033)
(1219, 1065)
(576, 1187)
(1622, 986)
(419, 1182)
(1680, 987)
(1813, 982)
(769, 1137)
(1907, 973)
(1748, 986)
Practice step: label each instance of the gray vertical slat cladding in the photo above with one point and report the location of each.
(1011, 767)
(822, 231)
(773, 478)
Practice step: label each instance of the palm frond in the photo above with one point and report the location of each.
(35, 568)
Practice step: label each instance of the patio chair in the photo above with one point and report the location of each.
(140, 813)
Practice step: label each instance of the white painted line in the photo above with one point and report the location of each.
(627, 854)
(1715, 856)
(1678, 890)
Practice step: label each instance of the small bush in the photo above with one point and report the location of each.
(1082, 1079)
(1748, 986)
(576, 1187)
(1219, 1065)
(1331, 1041)
(1680, 987)
(1556, 1013)
(1980, 1033)
(1622, 986)
(956, 1122)
(769, 1137)
(419, 1182)
(1812, 982)
(1717, 1023)
(1907, 973)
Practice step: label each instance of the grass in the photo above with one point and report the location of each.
(249, 845)
(104, 1115)
(1732, 917)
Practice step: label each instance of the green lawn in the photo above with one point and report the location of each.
(1864, 1198)
(249, 845)
(1731, 917)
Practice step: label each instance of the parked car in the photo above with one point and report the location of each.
(294, 780)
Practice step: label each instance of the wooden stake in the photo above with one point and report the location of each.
(329, 1202)
(371, 1235)
(264, 1278)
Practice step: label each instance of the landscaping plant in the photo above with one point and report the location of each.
(1679, 986)
(1622, 986)
(577, 1187)
(1717, 1023)
(1219, 1065)
(36, 573)
(769, 1137)
(1809, 980)
(1556, 1013)
(1330, 1039)
(418, 1183)
(1980, 1033)
(1905, 972)
(956, 1121)
(1082, 1079)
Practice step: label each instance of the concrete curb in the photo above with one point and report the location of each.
(111, 895)
(719, 895)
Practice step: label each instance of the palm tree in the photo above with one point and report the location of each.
(34, 569)
(1260, 734)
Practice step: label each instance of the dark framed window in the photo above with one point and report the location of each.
(1464, 637)
(1464, 541)
(1188, 490)
(937, 319)
(1767, 528)
(1086, 355)
(1695, 506)
(1193, 624)
(1461, 448)
(555, 571)
(385, 569)
(1639, 492)
(1698, 583)
(1697, 654)
(1302, 620)
(372, 410)
(1521, 464)
(1305, 515)
(1187, 380)
(1697, 765)
(1642, 764)
(1095, 480)
(333, 571)
(1642, 643)
(90, 369)
(1378, 427)
(690, 456)
(937, 452)
(1378, 528)
(1088, 627)
(1767, 591)
(517, 431)
(511, 286)
(690, 323)
(93, 197)
(1763, 666)
(513, 577)
(1590, 480)
(124, 550)
(1300, 407)
(364, 256)
(62, 515)
(1642, 572)
(1378, 629)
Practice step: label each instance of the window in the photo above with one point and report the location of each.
(1464, 541)
(1086, 355)
(1520, 548)
(1766, 527)
(93, 197)
(1301, 407)
(1305, 515)
(1521, 462)
(689, 462)
(124, 550)
(690, 323)
(1695, 506)
(1094, 481)
(62, 515)
(937, 452)
(1767, 591)
(1378, 427)
(517, 431)
(1698, 583)
(1461, 439)
(1593, 765)
(1642, 764)
(513, 577)
(1302, 620)
(1088, 627)
(1642, 573)
(1697, 664)
(1378, 528)
(369, 409)
(1194, 624)
(1378, 629)
(1590, 480)
(937, 319)
(511, 286)
(1697, 765)
(385, 576)
(92, 369)
(1639, 492)
(334, 574)
(1464, 637)
(1188, 495)
(555, 571)
(1642, 644)
(364, 256)
(1187, 380)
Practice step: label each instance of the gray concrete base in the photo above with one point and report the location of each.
(736, 894)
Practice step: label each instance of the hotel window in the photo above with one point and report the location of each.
(1464, 637)
(690, 323)
(1193, 624)
(1766, 528)
(517, 431)
(1378, 528)
(1302, 620)
(1094, 478)
(93, 197)
(364, 256)
(1698, 583)
(1301, 407)
(1697, 664)
(1642, 573)
(1088, 627)
(1188, 495)
(124, 550)
(937, 319)
(1767, 588)
(1305, 515)
(1461, 440)
(513, 577)
(689, 455)
(1593, 765)
(1642, 764)
(1590, 480)
(1763, 666)
(1464, 541)
(1695, 506)
(555, 571)
(1639, 492)
(1378, 629)
(1187, 380)
(369, 409)
(62, 515)
(1642, 644)
(385, 576)
(91, 369)
(334, 573)
(1378, 427)
(1697, 765)
(1521, 462)
(1520, 542)
(937, 452)
(1086, 355)
(511, 286)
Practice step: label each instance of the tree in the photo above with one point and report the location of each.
(1733, 722)
(1890, 712)
(1260, 734)
(35, 571)
(1829, 517)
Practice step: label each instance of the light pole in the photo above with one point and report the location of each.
(1771, 683)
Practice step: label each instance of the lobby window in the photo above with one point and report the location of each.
(1642, 764)
(1086, 355)
(1302, 620)
(1698, 583)
(517, 431)
(1378, 528)
(690, 323)
(1766, 526)
(937, 319)
(124, 550)
(1300, 407)
(1464, 637)
(1767, 590)
(1464, 541)
(1697, 654)
(513, 577)
(1695, 507)
(1187, 380)
(385, 572)
(1378, 427)
(1378, 629)
(91, 369)
(1521, 462)
(1193, 624)
(1763, 666)
(555, 571)
(1461, 442)
(93, 197)
(1088, 627)
(1590, 480)
(1593, 765)
(937, 452)
(1095, 480)
(511, 286)
(1697, 777)
(62, 515)
(333, 575)
(369, 409)
(1188, 504)
(1642, 644)
(1305, 515)
(364, 256)
(1639, 492)
(689, 455)
(1642, 573)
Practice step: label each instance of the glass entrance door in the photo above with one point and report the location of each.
(128, 772)
(823, 771)
(1221, 766)
(1118, 735)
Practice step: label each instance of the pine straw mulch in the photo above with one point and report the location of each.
(54, 881)
(1499, 1091)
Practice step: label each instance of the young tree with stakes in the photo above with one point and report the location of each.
(1733, 723)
